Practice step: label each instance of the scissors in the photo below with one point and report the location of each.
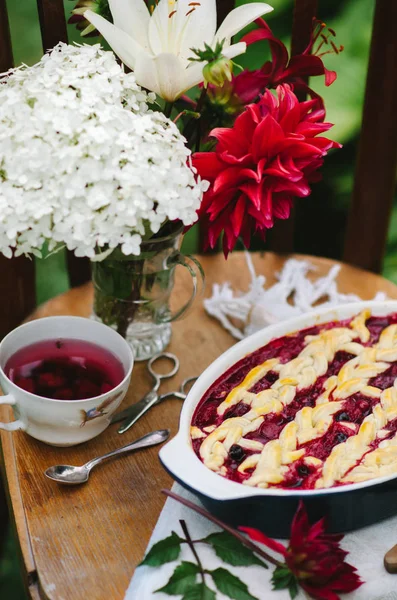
(131, 414)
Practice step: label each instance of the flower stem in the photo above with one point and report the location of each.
(178, 116)
(194, 125)
(239, 536)
(193, 549)
(168, 109)
(201, 99)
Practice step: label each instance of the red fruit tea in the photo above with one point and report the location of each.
(65, 369)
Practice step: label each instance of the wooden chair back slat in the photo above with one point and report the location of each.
(282, 237)
(374, 182)
(17, 292)
(302, 25)
(6, 58)
(53, 30)
(17, 282)
(222, 9)
(17, 285)
(52, 22)
(79, 269)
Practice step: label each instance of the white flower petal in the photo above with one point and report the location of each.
(235, 50)
(159, 25)
(176, 26)
(193, 75)
(164, 74)
(122, 44)
(238, 18)
(196, 29)
(132, 16)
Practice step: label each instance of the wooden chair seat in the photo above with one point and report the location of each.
(85, 542)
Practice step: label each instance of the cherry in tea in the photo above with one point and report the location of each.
(65, 369)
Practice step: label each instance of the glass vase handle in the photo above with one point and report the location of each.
(197, 274)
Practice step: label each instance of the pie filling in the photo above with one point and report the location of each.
(314, 409)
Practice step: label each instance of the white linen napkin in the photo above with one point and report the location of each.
(255, 309)
(292, 295)
(367, 548)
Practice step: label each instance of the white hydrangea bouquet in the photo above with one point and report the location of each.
(84, 163)
(87, 165)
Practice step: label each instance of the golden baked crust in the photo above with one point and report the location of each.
(360, 456)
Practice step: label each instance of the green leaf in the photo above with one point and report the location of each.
(293, 588)
(283, 579)
(233, 552)
(199, 592)
(164, 551)
(230, 585)
(182, 579)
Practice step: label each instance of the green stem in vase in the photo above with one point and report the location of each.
(127, 315)
(117, 291)
(135, 289)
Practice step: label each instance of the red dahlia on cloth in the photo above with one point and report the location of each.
(270, 155)
(314, 558)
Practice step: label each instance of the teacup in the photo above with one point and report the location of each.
(63, 422)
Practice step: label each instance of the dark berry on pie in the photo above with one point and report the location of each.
(236, 453)
(343, 416)
(303, 470)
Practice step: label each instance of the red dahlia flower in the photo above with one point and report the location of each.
(282, 69)
(313, 557)
(268, 157)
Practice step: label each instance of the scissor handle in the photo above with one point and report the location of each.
(159, 376)
(181, 394)
(187, 384)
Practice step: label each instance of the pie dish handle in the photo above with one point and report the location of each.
(176, 460)
(169, 453)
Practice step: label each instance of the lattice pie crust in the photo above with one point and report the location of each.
(360, 457)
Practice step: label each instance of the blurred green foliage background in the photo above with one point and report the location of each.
(328, 204)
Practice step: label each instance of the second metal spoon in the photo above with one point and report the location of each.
(75, 475)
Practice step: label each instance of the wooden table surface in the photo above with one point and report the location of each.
(84, 542)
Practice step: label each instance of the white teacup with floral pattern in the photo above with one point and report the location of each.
(63, 422)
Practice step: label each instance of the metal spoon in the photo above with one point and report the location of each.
(75, 475)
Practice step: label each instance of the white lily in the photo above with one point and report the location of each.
(157, 46)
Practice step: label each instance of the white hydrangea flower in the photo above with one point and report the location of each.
(83, 161)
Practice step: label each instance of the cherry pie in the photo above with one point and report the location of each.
(314, 409)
